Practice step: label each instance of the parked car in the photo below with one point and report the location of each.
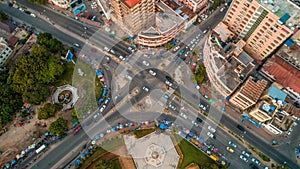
(195, 123)
(241, 128)
(222, 9)
(210, 135)
(242, 157)
(76, 45)
(102, 108)
(183, 115)
(145, 88)
(122, 58)
(204, 32)
(247, 154)
(107, 100)
(256, 161)
(232, 144)
(169, 83)
(152, 72)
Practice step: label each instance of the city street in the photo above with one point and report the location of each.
(100, 39)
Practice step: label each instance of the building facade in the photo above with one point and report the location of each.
(133, 15)
(227, 65)
(197, 6)
(248, 94)
(61, 3)
(5, 51)
(262, 24)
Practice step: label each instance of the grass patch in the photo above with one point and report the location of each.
(98, 88)
(116, 163)
(106, 147)
(66, 76)
(142, 133)
(192, 155)
(99, 152)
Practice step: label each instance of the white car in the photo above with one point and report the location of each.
(146, 89)
(211, 129)
(33, 15)
(172, 107)
(245, 153)
(195, 123)
(176, 48)
(112, 51)
(244, 158)
(147, 56)
(76, 45)
(21, 9)
(222, 9)
(106, 48)
(183, 115)
(169, 83)
(210, 135)
(232, 144)
(122, 58)
(146, 63)
(204, 32)
(152, 72)
(102, 108)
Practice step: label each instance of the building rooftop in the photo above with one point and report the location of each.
(276, 93)
(131, 3)
(235, 65)
(166, 20)
(253, 88)
(287, 11)
(290, 51)
(292, 110)
(283, 73)
(180, 10)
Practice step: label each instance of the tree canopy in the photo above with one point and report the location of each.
(10, 101)
(48, 110)
(33, 72)
(58, 127)
(200, 74)
(3, 16)
(40, 2)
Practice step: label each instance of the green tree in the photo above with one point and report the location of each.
(43, 38)
(10, 101)
(168, 46)
(39, 67)
(58, 127)
(40, 2)
(36, 94)
(104, 164)
(200, 74)
(216, 3)
(74, 117)
(48, 110)
(3, 16)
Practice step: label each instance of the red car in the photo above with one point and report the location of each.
(88, 16)
(77, 129)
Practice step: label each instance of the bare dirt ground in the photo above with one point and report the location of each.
(16, 139)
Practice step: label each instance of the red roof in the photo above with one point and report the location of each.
(284, 73)
(132, 3)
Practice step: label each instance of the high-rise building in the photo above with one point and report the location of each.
(133, 15)
(248, 94)
(263, 25)
(5, 51)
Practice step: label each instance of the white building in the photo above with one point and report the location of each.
(5, 51)
(60, 3)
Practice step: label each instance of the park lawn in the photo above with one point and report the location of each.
(98, 88)
(99, 152)
(142, 133)
(192, 155)
(108, 146)
(66, 76)
(117, 164)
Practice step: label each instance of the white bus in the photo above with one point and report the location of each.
(40, 149)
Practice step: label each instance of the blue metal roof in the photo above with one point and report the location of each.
(284, 18)
(276, 93)
(289, 42)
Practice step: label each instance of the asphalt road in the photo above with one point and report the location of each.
(78, 28)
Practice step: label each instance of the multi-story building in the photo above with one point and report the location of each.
(264, 25)
(227, 65)
(133, 15)
(168, 25)
(5, 51)
(61, 3)
(197, 6)
(249, 93)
